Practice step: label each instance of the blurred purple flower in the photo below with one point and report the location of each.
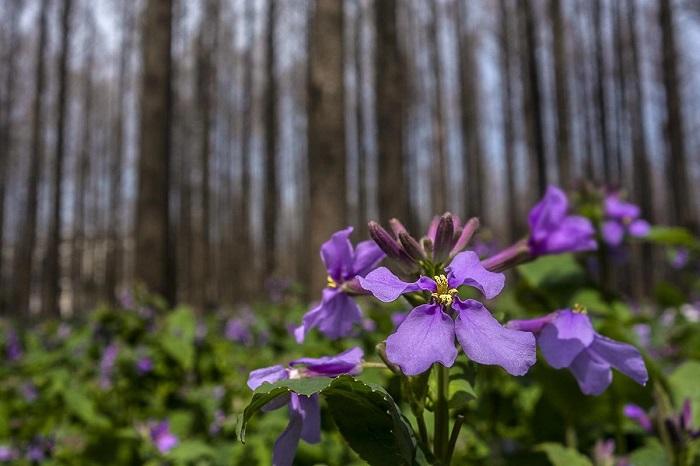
(29, 392)
(338, 312)
(397, 318)
(64, 330)
(8, 453)
(277, 289)
(567, 340)
(126, 300)
(304, 411)
(39, 449)
(621, 217)
(604, 452)
(217, 423)
(13, 346)
(238, 330)
(427, 335)
(638, 415)
(643, 332)
(162, 438)
(680, 258)
(109, 358)
(144, 365)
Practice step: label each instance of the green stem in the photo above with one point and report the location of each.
(442, 414)
(453, 438)
(423, 430)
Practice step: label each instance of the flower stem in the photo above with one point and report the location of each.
(453, 438)
(442, 414)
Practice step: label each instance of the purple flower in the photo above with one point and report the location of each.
(679, 426)
(620, 218)
(397, 318)
(7, 453)
(144, 365)
(304, 411)
(238, 330)
(637, 414)
(338, 312)
(13, 347)
(427, 335)
(604, 452)
(29, 392)
(109, 358)
(162, 438)
(680, 258)
(567, 340)
(554, 231)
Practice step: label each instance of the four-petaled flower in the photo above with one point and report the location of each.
(567, 340)
(554, 231)
(304, 411)
(162, 438)
(427, 335)
(621, 217)
(338, 312)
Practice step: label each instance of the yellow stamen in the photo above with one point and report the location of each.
(444, 294)
(579, 309)
(330, 283)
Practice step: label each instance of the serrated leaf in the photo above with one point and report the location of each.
(685, 381)
(559, 455)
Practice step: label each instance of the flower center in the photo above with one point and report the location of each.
(330, 283)
(578, 308)
(444, 294)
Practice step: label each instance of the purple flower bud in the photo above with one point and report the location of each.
(162, 438)
(465, 235)
(637, 414)
(443, 237)
(109, 358)
(144, 365)
(13, 347)
(397, 227)
(411, 246)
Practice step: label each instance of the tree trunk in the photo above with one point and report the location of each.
(390, 100)
(153, 258)
(561, 84)
(439, 168)
(23, 267)
(271, 188)
(677, 172)
(326, 132)
(601, 101)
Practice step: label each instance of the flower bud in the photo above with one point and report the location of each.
(411, 246)
(465, 236)
(443, 237)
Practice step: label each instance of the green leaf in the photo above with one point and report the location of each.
(538, 271)
(559, 455)
(673, 236)
(83, 407)
(178, 339)
(652, 454)
(191, 450)
(685, 381)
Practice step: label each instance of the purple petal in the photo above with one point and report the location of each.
(347, 362)
(592, 374)
(623, 357)
(563, 339)
(574, 234)
(613, 232)
(367, 256)
(619, 209)
(432, 229)
(466, 269)
(426, 336)
(311, 412)
(465, 235)
(639, 228)
(334, 316)
(286, 444)
(637, 414)
(687, 415)
(486, 341)
(337, 255)
(547, 214)
(531, 325)
(387, 287)
(267, 374)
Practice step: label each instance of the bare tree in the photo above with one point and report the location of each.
(438, 172)
(271, 201)
(561, 84)
(154, 266)
(600, 95)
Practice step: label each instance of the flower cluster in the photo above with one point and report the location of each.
(621, 217)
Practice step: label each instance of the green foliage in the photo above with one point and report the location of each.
(559, 455)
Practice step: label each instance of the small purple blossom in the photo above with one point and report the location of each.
(13, 346)
(304, 411)
(638, 415)
(621, 217)
(680, 258)
(162, 438)
(337, 313)
(238, 330)
(679, 426)
(29, 392)
(107, 363)
(567, 340)
(144, 365)
(397, 318)
(8, 453)
(604, 452)
(427, 335)
(554, 231)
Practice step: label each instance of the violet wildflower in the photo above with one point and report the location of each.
(604, 452)
(621, 217)
(162, 438)
(679, 426)
(638, 415)
(427, 335)
(238, 330)
(679, 258)
(144, 365)
(109, 359)
(13, 346)
(7, 453)
(304, 411)
(29, 392)
(338, 312)
(567, 340)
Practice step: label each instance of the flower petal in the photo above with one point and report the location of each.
(367, 256)
(334, 316)
(486, 341)
(337, 254)
(637, 414)
(311, 425)
(574, 234)
(531, 325)
(563, 339)
(619, 209)
(286, 444)
(613, 232)
(466, 269)
(387, 287)
(639, 228)
(592, 374)
(347, 362)
(426, 336)
(623, 357)
(267, 374)
(547, 214)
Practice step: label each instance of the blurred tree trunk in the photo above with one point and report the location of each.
(471, 110)
(153, 266)
(390, 100)
(271, 187)
(561, 85)
(51, 303)
(362, 197)
(505, 38)
(677, 172)
(601, 101)
(6, 125)
(532, 110)
(115, 251)
(27, 236)
(326, 132)
(439, 167)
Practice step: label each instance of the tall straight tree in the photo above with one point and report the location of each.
(600, 95)
(53, 258)
(390, 100)
(532, 105)
(271, 187)
(561, 88)
(27, 236)
(326, 131)
(153, 266)
(439, 169)
(471, 111)
(682, 208)
(6, 121)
